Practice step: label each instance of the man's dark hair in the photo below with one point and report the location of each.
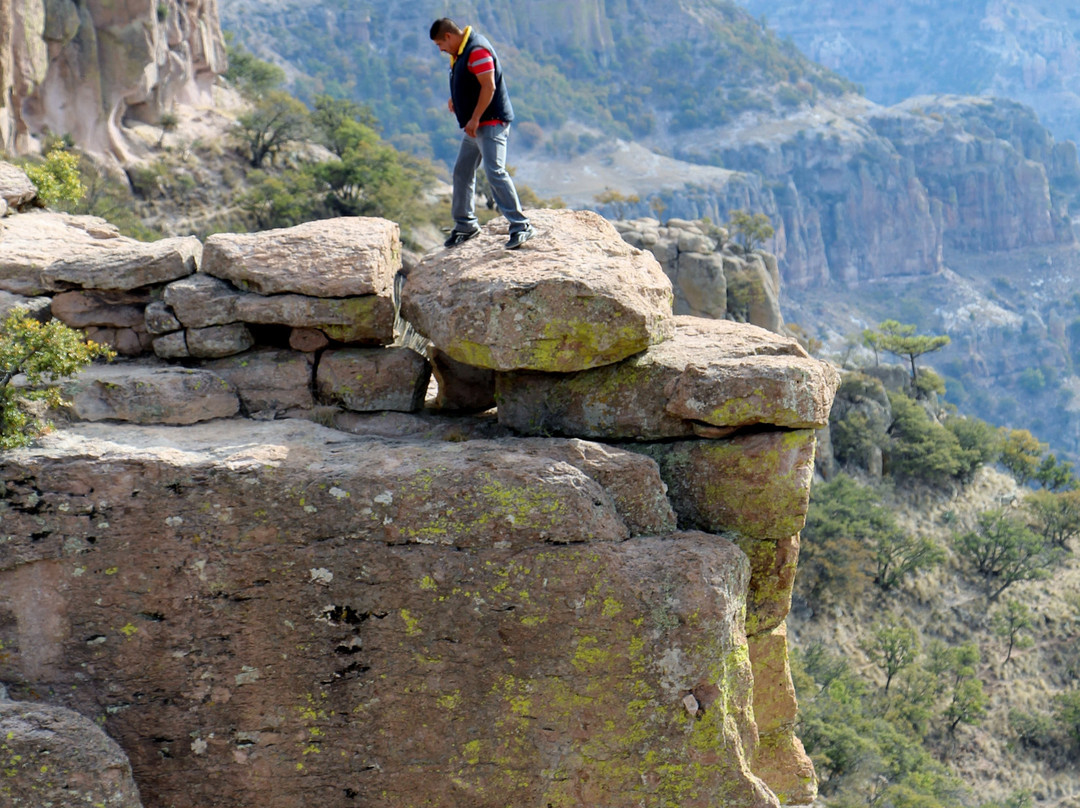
(442, 27)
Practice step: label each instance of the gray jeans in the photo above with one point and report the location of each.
(488, 146)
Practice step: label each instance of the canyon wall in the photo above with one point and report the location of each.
(83, 69)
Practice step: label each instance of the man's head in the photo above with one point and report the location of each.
(446, 34)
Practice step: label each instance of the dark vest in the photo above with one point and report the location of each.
(465, 87)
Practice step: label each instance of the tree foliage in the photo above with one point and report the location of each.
(57, 179)
(1021, 454)
(892, 646)
(252, 76)
(749, 231)
(1055, 515)
(851, 540)
(1003, 551)
(1009, 622)
(339, 123)
(864, 747)
(275, 120)
(42, 354)
(901, 339)
(619, 202)
(921, 448)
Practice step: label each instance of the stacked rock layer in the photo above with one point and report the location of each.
(579, 603)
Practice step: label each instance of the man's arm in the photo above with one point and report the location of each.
(487, 92)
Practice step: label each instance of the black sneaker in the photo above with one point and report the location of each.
(520, 237)
(458, 237)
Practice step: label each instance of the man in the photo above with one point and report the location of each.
(479, 99)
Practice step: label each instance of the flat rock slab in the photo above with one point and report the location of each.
(52, 252)
(54, 756)
(148, 394)
(106, 309)
(712, 376)
(36, 307)
(344, 257)
(575, 297)
(201, 301)
(373, 379)
(299, 482)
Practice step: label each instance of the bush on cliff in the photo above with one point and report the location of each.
(42, 354)
(850, 540)
(57, 179)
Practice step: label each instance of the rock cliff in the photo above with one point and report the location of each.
(415, 608)
(84, 69)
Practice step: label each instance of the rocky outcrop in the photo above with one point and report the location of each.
(54, 756)
(84, 69)
(471, 610)
(324, 284)
(710, 275)
(865, 192)
(1022, 50)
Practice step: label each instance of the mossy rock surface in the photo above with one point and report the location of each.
(574, 297)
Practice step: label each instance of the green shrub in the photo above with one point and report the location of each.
(922, 449)
(1003, 551)
(1033, 730)
(58, 178)
(43, 354)
(1067, 714)
(980, 444)
(850, 540)
(749, 231)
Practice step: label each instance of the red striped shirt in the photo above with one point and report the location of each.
(481, 61)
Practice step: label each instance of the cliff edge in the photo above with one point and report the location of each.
(577, 597)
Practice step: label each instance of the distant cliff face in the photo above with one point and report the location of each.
(1018, 49)
(864, 194)
(83, 69)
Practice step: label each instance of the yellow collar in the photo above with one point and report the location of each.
(464, 41)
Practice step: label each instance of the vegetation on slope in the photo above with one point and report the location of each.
(936, 618)
(630, 71)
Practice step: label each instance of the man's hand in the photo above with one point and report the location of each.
(472, 126)
(450, 104)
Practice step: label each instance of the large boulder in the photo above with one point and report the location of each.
(15, 187)
(55, 757)
(756, 484)
(712, 375)
(373, 379)
(327, 619)
(88, 70)
(575, 297)
(52, 252)
(268, 380)
(344, 257)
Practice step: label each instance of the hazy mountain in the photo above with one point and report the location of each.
(1024, 50)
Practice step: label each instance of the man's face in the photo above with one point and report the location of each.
(446, 44)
